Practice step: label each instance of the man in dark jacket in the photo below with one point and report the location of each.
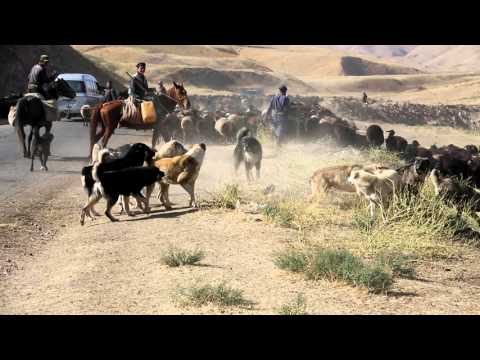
(278, 109)
(110, 93)
(138, 85)
(38, 79)
(365, 98)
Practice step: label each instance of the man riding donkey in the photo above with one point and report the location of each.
(38, 108)
(38, 79)
(279, 106)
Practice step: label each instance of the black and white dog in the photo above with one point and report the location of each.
(127, 182)
(249, 151)
(136, 155)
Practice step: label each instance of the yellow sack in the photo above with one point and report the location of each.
(149, 114)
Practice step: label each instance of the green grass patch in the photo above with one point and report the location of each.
(291, 260)
(336, 265)
(175, 257)
(226, 198)
(222, 295)
(296, 307)
(384, 157)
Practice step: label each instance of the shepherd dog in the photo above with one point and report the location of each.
(249, 151)
(127, 182)
(136, 155)
(181, 170)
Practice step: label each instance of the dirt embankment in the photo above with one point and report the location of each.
(355, 66)
(231, 80)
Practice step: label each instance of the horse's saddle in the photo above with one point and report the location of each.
(134, 114)
(50, 107)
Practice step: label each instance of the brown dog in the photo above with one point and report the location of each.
(335, 177)
(181, 170)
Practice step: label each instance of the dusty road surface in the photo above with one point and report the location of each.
(52, 265)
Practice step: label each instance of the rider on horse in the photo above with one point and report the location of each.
(38, 79)
(138, 85)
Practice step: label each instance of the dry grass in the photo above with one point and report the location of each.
(298, 306)
(336, 265)
(227, 198)
(424, 226)
(222, 295)
(175, 257)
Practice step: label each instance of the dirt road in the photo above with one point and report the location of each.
(52, 265)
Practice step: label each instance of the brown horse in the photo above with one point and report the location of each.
(108, 115)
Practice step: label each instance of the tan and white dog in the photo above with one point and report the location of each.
(376, 186)
(181, 170)
(169, 150)
(336, 177)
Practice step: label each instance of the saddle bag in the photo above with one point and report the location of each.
(149, 115)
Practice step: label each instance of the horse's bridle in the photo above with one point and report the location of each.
(177, 101)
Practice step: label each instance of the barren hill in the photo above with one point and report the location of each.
(458, 58)
(326, 70)
(230, 68)
(381, 51)
(314, 62)
(17, 61)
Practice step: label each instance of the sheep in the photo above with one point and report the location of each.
(460, 194)
(471, 149)
(86, 112)
(375, 136)
(188, 128)
(395, 143)
(226, 129)
(345, 136)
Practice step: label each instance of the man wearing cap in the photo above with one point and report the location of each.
(38, 79)
(138, 85)
(278, 109)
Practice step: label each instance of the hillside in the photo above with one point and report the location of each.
(326, 70)
(457, 58)
(230, 68)
(381, 51)
(314, 62)
(203, 68)
(17, 60)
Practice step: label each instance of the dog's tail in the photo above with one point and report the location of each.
(243, 132)
(102, 157)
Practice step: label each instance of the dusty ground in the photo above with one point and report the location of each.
(52, 265)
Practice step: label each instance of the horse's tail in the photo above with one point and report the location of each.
(94, 119)
(22, 111)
